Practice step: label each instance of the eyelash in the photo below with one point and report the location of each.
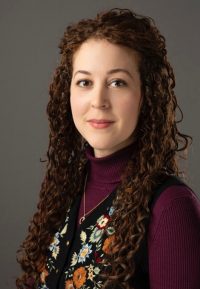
(116, 80)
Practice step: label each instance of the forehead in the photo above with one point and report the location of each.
(102, 53)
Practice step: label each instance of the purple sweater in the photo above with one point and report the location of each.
(174, 232)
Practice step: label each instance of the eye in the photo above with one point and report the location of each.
(119, 83)
(83, 82)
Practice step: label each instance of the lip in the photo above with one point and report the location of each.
(100, 123)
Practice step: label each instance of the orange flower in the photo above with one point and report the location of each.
(107, 246)
(79, 277)
(69, 284)
(43, 275)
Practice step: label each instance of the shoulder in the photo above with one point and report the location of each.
(173, 239)
(173, 194)
(176, 203)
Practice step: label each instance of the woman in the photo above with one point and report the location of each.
(113, 211)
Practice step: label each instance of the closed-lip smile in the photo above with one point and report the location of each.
(100, 123)
(100, 120)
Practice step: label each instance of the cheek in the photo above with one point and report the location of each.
(79, 108)
(72, 104)
(129, 110)
(75, 106)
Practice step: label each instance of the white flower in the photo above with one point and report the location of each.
(96, 270)
(91, 276)
(90, 268)
(74, 259)
(83, 236)
(55, 252)
(96, 235)
(64, 230)
(84, 253)
(54, 244)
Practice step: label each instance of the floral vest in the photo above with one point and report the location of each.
(75, 254)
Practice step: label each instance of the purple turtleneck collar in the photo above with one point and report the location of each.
(107, 170)
(104, 174)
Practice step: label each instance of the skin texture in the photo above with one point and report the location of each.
(99, 95)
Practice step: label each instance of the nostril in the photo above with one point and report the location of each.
(100, 106)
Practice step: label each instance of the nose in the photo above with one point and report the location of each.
(100, 98)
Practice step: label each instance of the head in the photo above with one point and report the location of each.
(105, 94)
(149, 103)
(139, 101)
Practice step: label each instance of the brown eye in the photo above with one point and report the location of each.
(119, 83)
(83, 83)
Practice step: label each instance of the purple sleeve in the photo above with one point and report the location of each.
(174, 240)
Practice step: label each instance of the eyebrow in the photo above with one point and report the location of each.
(115, 70)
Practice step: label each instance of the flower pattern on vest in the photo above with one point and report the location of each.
(84, 264)
(54, 250)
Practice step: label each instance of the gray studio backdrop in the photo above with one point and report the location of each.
(29, 35)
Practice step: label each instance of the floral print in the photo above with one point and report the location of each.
(96, 241)
(54, 247)
(84, 253)
(79, 277)
(84, 264)
(74, 259)
(54, 250)
(102, 221)
(96, 235)
(107, 246)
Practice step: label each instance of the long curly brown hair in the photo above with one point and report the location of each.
(157, 145)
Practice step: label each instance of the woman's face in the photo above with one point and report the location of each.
(105, 95)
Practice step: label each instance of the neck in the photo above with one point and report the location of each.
(108, 169)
